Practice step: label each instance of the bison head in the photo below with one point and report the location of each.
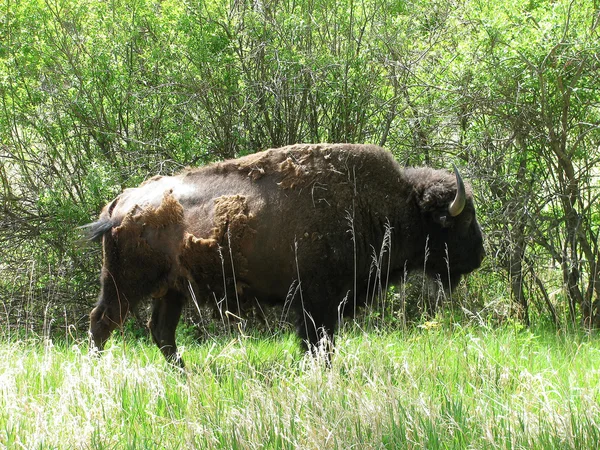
(454, 241)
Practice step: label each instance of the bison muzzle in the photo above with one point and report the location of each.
(299, 224)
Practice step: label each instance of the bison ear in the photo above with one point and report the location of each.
(435, 208)
(443, 218)
(434, 205)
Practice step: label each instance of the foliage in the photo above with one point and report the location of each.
(98, 96)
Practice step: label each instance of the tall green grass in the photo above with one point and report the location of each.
(429, 388)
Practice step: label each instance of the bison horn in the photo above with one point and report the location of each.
(458, 204)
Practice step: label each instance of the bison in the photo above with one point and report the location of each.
(301, 224)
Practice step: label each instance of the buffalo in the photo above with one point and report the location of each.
(309, 226)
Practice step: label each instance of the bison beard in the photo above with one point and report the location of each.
(306, 216)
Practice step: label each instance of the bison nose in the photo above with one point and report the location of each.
(482, 255)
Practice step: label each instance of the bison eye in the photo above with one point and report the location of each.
(468, 220)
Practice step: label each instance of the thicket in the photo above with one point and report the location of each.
(97, 96)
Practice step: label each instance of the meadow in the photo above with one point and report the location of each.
(435, 386)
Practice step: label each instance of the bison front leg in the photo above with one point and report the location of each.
(318, 321)
(166, 312)
(315, 330)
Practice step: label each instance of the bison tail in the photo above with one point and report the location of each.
(94, 231)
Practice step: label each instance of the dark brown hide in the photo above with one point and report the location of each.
(302, 219)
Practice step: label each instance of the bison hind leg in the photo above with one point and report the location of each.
(109, 314)
(101, 325)
(166, 312)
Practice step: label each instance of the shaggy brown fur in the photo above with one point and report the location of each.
(248, 229)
